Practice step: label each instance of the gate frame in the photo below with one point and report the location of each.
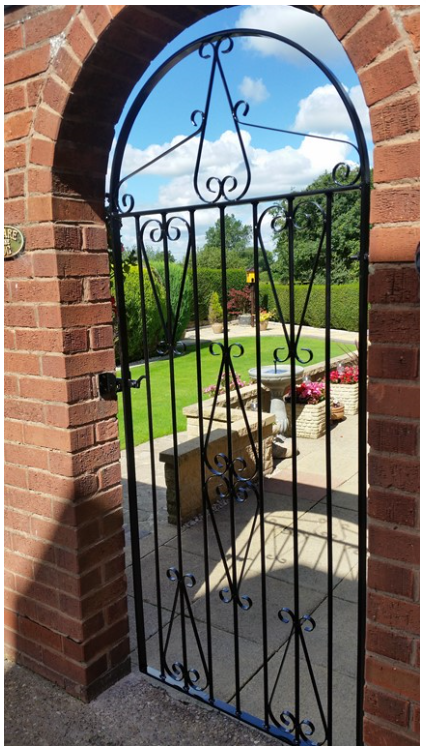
(115, 214)
(59, 210)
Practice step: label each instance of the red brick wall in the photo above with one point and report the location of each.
(383, 43)
(66, 612)
(65, 593)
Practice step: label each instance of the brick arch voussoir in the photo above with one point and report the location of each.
(106, 49)
(105, 52)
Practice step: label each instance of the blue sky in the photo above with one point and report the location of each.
(283, 90)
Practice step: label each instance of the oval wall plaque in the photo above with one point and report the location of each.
(14, 242)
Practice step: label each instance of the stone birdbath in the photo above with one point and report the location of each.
(277, 378)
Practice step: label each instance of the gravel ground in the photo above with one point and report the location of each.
(131, 713)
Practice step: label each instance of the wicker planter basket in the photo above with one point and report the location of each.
(347, 395)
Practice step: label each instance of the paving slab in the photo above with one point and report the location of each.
(281, 678)
(223, 651)
(347, 589)
(278, 595)
(344, 631)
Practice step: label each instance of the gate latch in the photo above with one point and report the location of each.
(110, 385)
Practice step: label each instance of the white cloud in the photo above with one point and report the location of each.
(357, 95)
(254, 90)
(323, 112)
(274, 171)
(307, 29)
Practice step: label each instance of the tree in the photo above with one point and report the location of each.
(158, 255)
(344, 237)
(238, 244)
(238, 237)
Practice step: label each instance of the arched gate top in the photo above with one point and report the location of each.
(227, 188)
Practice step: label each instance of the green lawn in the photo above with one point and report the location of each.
(185, 368)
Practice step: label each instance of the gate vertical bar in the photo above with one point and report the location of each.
(230, 470)
(294, 468)
(130, 447)
(362, 453)
(329, 500)
(151, 444)
(260, 467)
(171, 350)
(202, 451)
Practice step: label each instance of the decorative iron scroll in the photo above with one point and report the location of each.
(165, 231)
(281, 217)
(178, 670)
(226, 477)
(225, 188)
(302, 729)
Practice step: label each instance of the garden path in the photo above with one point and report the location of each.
(279, 549)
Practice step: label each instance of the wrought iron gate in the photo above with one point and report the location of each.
(211, 615)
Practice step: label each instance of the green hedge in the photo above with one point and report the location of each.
(344, 304)
(210, 280)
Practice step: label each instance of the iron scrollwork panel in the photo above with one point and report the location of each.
(226, 476)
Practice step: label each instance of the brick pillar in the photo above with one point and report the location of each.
(383, 44)
(392, 661)
(65, 88)
(392, 666)
(65, 584)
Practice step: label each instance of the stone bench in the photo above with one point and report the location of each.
(188, 471)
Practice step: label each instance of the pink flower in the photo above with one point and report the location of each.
(309, 393)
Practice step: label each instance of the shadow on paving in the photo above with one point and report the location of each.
(205, 601)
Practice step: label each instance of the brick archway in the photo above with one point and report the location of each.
(65, 594)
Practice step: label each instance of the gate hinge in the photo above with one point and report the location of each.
(110, 385)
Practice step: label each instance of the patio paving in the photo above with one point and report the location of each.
(276, 557)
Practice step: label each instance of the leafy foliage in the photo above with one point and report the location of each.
(157, 256)
(209, 280)
(175, 281)
(239, 302)
(154, 328)
(237, 241)
(238, 245)
(344, 237)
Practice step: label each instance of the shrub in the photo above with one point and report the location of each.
(215, 309)
(345, 306)
(154, 327)
(175, 280)
(209, 280)
(239, 302)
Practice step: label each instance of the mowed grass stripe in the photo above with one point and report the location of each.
(185, 380)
